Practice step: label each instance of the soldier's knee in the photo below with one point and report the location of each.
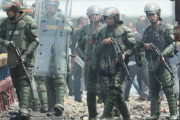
(168, 90)
(24, 83)
(154, 92)
(112, 92)
(60, 81)
(42, 88)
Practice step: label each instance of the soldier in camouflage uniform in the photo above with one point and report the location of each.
(125, 37)
(161, 35)
(34, 103)
(25, 37)
(86, 44)
(55, 85)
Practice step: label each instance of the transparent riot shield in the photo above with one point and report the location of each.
(52, 53)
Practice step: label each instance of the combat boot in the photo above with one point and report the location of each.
(155, 108)
(172, 107)
(91, 103)
(59, 106)
(24, 102)
(122, 106)
(44, 108)
(23, 114)
(172, 101)
(174, 117)
(36, 105)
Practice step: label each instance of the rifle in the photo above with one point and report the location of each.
(119, 51)
(21, 62)
(158, 52)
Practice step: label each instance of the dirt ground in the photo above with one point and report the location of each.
(78, 111)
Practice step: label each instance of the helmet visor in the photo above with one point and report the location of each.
(6, 5)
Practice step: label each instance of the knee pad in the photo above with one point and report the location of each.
(42, 88)
(60, 81)
(24, 83)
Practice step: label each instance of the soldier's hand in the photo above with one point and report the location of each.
(160, 59)
(17, 62)
(123, 55)
(148, 47)
(107, 41)
(23, 57)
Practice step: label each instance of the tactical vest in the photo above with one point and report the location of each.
(90, 38)
(157, 38)
(119, 35)
(18, 38)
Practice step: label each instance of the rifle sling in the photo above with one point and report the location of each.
(15, 26)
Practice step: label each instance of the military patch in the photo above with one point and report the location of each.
(16, 32)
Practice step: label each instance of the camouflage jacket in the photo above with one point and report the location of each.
(123, 35)
(167, 33)
(25, 37)
(85, 46)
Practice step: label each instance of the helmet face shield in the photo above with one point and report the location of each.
(29, 10)
(94, 10)
(111, 12)
(6, 5)
(152, 8)
(50, 3)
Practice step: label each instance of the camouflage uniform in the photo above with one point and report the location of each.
(54, 86)
(159, 77)
(125, 37)
(84, 50)
(25, 37)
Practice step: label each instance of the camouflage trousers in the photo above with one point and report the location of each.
(22, 86)
(56, 91)
(115, 96)
(160, 78)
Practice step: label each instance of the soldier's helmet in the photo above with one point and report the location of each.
(10, 4)
(152, 8)
(111, 12)
(94, 9)
(51, 2)
(28, 10)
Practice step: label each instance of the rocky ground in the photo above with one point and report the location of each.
(78, 111)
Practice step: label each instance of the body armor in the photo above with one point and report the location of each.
(157, 38)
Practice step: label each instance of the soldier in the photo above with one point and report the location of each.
(25, 37)
(125, 37)
(52, 52)
(86, 44)
(161, 35)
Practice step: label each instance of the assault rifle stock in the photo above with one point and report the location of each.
(119, 51)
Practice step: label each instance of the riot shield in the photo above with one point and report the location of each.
(52, 53)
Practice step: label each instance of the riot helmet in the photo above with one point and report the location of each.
(111, 12)
(152, 8)
(28, 10)
(52, 3)
(10, 5)
(93, 10)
